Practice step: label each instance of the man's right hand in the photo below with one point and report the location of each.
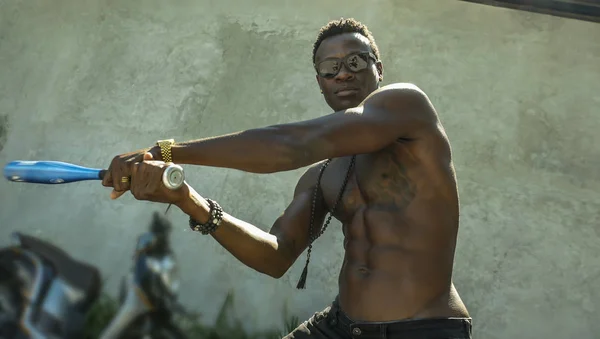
(121, 167)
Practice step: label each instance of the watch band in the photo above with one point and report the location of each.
(165, 149)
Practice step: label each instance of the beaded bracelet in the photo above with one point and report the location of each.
(214, 219)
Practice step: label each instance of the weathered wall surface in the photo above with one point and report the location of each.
(81, 81)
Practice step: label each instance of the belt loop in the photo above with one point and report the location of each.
(334, 315)
(469, 326)
(383, 331)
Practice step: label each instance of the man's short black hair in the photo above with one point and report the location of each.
(341, 26)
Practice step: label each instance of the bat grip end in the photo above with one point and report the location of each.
(101, 174)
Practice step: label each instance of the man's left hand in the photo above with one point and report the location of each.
(146, 182)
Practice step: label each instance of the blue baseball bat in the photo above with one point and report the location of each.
(58, 172)
(50, 172)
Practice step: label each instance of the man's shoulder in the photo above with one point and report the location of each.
(400, 89)
(402, 86)
(398, 97)
(411, 105)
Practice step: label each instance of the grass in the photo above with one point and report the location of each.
(225, 327)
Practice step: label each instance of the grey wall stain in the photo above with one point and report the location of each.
(3, 130)
(249, 55)
(538, 137)
(533, 22)
(556, 143)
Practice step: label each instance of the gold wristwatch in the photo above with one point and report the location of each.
(165, 149)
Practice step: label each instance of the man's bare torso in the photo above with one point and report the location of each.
(400, 220)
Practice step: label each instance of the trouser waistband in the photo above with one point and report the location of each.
(461, 327)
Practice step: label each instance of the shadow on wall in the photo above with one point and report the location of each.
(3, 130)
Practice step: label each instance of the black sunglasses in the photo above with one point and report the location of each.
(354, 62)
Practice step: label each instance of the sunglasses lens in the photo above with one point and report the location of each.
(357, 63)
(329, 68)
(354, 63)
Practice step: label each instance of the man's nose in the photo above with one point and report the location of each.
(345, 74)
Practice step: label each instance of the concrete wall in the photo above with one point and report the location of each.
(81, 81)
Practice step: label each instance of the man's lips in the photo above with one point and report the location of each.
(344, 92)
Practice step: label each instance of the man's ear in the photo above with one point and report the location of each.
(318, 83)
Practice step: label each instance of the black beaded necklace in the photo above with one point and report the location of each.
(311, 235)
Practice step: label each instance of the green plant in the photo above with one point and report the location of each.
(290, 324)
(225, 327)
(99, 316)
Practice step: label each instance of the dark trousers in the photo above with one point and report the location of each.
(332, 323)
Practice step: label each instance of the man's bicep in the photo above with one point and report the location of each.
(389, 114)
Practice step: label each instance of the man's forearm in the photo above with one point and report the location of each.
(249, 244)
(261, 150)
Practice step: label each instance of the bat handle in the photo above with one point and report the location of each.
(173, 176)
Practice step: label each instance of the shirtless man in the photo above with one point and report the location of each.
(399, 208)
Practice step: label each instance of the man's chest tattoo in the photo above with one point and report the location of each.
(386, 182)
